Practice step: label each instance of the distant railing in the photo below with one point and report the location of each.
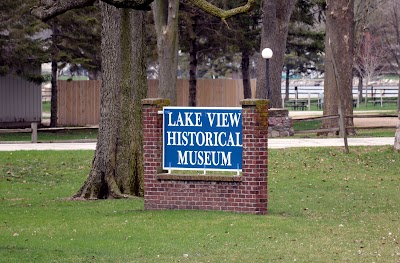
(334, 129)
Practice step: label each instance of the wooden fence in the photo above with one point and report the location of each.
(79, 101)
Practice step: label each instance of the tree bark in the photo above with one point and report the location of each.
(117, 169)
(287, 83)
(366, 93)
(193, 66)
(166, 23)
(360, 89)
(397, 135)
(275, 22)
(218, 12)
(48, 9)
(246, 74)
(398, 95)
(54, 68)
(340, 32)
(54, 92)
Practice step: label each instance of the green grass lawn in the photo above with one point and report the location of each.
(46, 106)
(307, 125)
(72, 78)
(324, 206)
(392, 105)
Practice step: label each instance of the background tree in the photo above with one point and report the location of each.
(22, 43)
(370, 59)
(80, 45)
(152, 68)
(74, 45)
(305, 39)
(275, 24)
(165, 15)
(244, 34)
(339, 46)
(391, 37)
(366, 14)
(166, 22)
(218, 48)
(197, 30)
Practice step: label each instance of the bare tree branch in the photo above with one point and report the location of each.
(218, 12)
(48, 9)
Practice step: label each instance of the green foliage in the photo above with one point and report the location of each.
(35, 78)
(76, 39)
(4, 70)
(46, 77)
(26, 42)
(319, 198)
(21, 40)
(305, 41)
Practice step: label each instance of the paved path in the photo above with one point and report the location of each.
(273, 144)
(288, 143)
(358, 122)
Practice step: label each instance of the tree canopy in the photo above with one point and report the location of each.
(22, 41)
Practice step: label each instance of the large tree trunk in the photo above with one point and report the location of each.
(117, 169)
(276, 16)
(166, 23)
(339, 32)
(246, 74)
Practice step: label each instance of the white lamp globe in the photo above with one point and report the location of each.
(267, 53)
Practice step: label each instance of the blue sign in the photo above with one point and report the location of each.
(202, 138)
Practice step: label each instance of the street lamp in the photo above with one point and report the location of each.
(267, 54)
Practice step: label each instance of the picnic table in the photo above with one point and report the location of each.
(296, 104)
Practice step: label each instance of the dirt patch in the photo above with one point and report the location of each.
(374, 122)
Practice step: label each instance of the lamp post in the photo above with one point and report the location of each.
(267, 54)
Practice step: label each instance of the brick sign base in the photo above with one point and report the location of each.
(246, 193)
